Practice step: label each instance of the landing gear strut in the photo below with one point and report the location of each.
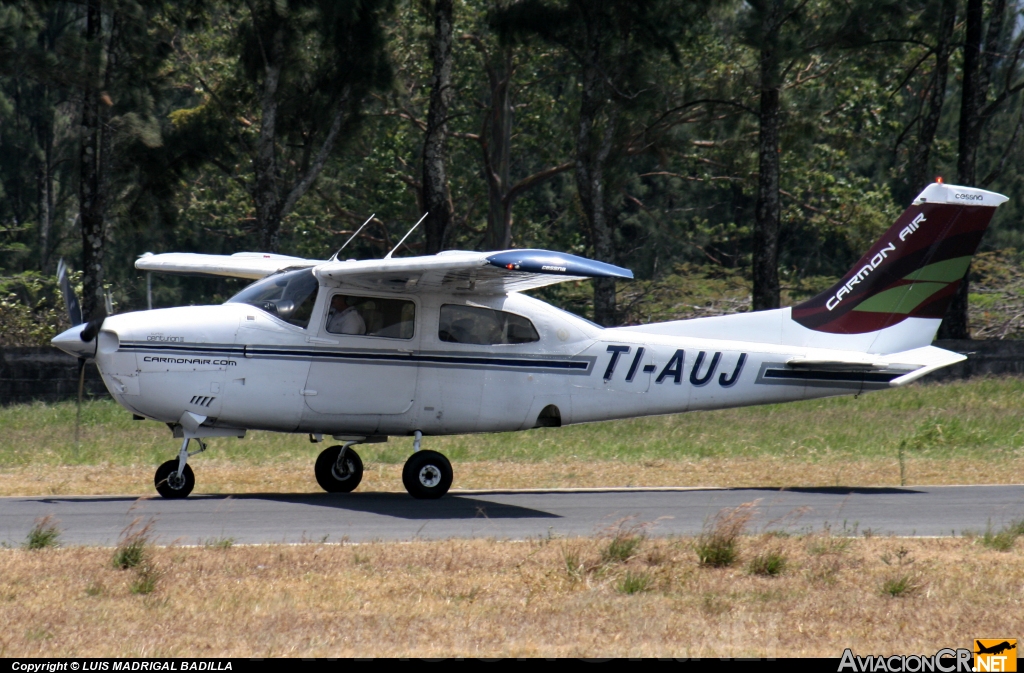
(174, 479)
(427, 475)
(339, 469)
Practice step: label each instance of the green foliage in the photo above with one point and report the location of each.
(185, 114)
(133, 552)
(146, 577)
(717, 546)
(768, 564)
(635, 582)
(219, 543)
(900, 582)
(31, 309)
(44, 534)
(574, 566)
(1003, 539)
(623, 545)
(132, 549)
(899, 586)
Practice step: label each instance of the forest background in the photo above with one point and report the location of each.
(735, 155)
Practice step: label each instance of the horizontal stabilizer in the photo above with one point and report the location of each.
(893, 370)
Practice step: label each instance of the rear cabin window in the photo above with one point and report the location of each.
(289, 295)
(371, 316)
(484, 326)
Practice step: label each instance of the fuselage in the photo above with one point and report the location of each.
(237, 366)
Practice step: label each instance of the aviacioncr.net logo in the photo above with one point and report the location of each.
(946, 660)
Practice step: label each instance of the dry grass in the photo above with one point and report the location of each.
(487, 598)
(296, 475)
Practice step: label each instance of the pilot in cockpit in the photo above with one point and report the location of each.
(344, 319)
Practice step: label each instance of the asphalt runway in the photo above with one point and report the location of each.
(357, 517)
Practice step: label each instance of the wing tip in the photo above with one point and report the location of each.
(556, 263)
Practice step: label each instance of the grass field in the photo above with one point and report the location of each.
(613, 595)
(962, 432)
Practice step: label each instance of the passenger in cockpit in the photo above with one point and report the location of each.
(344, 319)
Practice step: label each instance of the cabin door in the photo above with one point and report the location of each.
(364, 356)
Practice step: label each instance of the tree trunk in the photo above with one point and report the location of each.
(266, 190)
(590, 165)
(436, 197)
(91, 197)
(498, 155)
(44, 190)
(976, 78)
(917, 171)
(768, 208)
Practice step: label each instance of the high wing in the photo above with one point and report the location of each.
(472, 272)
(453, 270)
(251, 265)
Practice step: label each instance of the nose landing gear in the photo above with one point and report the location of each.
(174, 479)
(339, 469)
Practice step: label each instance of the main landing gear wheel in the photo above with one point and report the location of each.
(338, 478)
(427, 475)
(169, 484)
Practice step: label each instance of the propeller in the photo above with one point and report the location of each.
(74, 309)
(88, 333)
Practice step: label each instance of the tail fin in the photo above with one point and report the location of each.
(913, 271)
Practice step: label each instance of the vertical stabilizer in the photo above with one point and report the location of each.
(913, 270)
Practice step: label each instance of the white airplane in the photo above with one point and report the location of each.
(360, 350)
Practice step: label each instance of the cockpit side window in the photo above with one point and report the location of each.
(483, 326)
(289, 295)
(371, 316)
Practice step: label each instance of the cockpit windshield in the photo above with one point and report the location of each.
(289, 295)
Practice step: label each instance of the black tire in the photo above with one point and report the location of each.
(327, 474)
(167, 483)
(427, 475)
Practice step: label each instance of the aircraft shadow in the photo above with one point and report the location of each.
(398, 505)
(834, 490)
(402, 506)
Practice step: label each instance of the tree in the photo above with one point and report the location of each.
(984, 51)
(932, 99)
(609, 42)
(437, 200)
(500, 64)
(302, 73)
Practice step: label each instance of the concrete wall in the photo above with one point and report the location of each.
(50, 375)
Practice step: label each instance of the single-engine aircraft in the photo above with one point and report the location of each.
(360, 350)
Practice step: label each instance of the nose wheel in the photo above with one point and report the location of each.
(174, 479)
(170, 484)
(339, 469)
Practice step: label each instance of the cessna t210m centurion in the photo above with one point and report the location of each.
(359, 350)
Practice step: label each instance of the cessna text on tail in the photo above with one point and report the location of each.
(446, 344)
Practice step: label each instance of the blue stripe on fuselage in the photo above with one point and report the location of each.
(573, 366)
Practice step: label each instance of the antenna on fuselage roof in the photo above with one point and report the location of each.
(334, 257)
(388, 256)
